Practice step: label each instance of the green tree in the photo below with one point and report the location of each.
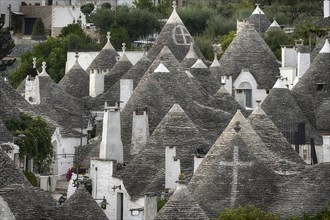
(247, 213)
(275, 39)
(36, 144)
(6, 46)
(87, 8)
(225, 40)
(103, 18)
(205, 43)
(106, 5)
(119, 35)
(39, 31)
(144, 5)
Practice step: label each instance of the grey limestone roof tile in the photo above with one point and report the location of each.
(275, 141)
(5, 135)
(282, 108)
(259, 20)
(176, 37)
(76, 81)
(116, 73)
(9, 173)
(323, 116)
(190, 58)
(181, 206)
(112, 95)
(232, 186)
(249, 51)
(308, 192)
(81, 205)
(28, 202)
(106, 59)
(325, 22)
(85, 152)
(177, 130)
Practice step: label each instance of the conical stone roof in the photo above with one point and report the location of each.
(57, 105)
(319, 46)
(235, 168)
(200, 71)
(9, 173)
(112, 95)
(176, 129)
(322, 116)
(308, 192)
(283, 110)
(276, 142)
(181, 206)
(190, 58)
(12, 103)
(81, 205)
(76, 81)
(117, 71)
(107, 57)
(176, 37)
(249, 51)
(274, 27)
(259, 20)
(317, 74)
(5, 135)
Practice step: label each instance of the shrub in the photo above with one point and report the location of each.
(31, 178)
(247, 212)
(68, 174)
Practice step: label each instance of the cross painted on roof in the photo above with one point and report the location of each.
(235, 164)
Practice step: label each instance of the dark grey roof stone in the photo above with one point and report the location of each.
(106, 59)
(261, 23)
(255, 176)
(85, 152)
(81, 205)
(116, 73)
(9, 173)
(181, 206)
(325, 22)
(308, 192)
(12, 103)
(112, 95)
(319, 45)
(283, 110)
(176, 129)
(323, 116)
(58, 106)
(28, 202)
(190, 58)
(275, 141)
(176, 37)
(249, 51)
(76, 81)
(5, 135)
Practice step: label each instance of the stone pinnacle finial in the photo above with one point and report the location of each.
(76, 56)
(237, 128)
(257, 4)
(44, 66)
(108, 36)
(34, 62)
(124, 47)
(258, 102)
(174, 5)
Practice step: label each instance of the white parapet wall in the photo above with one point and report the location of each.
(172, 167)
(326, 8)
(126, 91)
(140, 131)
(326, 148)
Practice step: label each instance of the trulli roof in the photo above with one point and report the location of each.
(181, 206)
(249, 51)
(176, 129)
(76, 81)
(259, 20)
(236, 167)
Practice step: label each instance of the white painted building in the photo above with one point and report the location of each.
(246, 90)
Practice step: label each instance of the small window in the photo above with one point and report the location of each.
(30, 99)
(319, 86)
(227, 76)
(267, 91)
(181, 36)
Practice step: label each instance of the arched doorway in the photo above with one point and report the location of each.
(243, 94)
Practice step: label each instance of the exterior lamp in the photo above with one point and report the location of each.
(116, 187)
(104, 203)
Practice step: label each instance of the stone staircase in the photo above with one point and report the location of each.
(61, 185)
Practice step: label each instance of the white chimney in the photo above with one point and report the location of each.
(289, 56)
(96, 82)
(172, 167)
(304, 61)
(326, 8)
(32, 89)
(111, 146)
(126, 91)
(140, 130)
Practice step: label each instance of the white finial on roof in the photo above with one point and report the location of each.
(108, 44)
(176, 108)
(123, 57)
(258, 110)
(215, 62)
(199, 64)
(280, 84)
(76, 56)
(43, 72)
(174, 5)
(258, 10)
(161, 69)
(326, 47)
(34, 62)
(123, 47)
(174, 18)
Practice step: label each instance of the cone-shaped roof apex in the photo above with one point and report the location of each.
(279, 84)
(326, 47)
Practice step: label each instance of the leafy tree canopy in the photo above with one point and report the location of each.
(87, 8)
(39, 31)
(37, 141)
(6, 46)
